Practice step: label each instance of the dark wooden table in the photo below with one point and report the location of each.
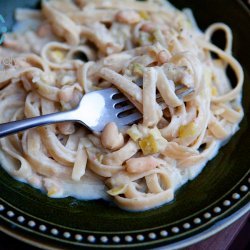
(234, 237)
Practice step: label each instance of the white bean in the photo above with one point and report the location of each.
(148, 27)
(128, 17)
(163, 57)
(44, 30)
(142, 164)
(111, 138)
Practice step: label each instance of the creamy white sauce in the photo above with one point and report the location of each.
(89, 188)
(92, 188)
(191, 173)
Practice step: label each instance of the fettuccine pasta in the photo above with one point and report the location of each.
(70, 48)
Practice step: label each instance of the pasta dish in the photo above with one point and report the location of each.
(70, 48)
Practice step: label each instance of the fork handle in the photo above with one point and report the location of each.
(18, 126)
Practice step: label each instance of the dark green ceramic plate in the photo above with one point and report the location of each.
(201, 208)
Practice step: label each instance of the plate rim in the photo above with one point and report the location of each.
(227, 210)
(217, 227)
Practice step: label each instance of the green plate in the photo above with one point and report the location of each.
(216, 198)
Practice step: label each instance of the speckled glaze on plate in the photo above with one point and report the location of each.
(215, 199)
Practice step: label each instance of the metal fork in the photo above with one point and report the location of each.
(95, 110)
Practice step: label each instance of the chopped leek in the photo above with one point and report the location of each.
(149, 145)
(157, 35)
(146, 39)
(187, 130)
(134, 133)
(57, 56)
(214, 91)
(144, 15)
(52, 191)
(99, 157)
(138, 69)
(117, 190)
(155, 132)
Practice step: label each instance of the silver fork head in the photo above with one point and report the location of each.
(100, 107)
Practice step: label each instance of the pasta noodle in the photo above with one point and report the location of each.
(75, 47)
